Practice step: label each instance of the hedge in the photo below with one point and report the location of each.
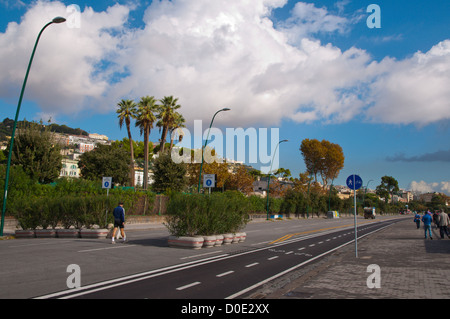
(198, 214)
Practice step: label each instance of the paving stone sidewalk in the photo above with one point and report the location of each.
(410, 268)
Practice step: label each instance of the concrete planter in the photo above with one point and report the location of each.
(209, 241)
(99, 233)
(45, 233)
(27, 233)
(186, 242)
(227, 238)
(242, 237)
(68, 233)
(219, 240)
(236, 238)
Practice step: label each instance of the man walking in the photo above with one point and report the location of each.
(427, 219)
(119, 221)
(417, 220)
(444, 221)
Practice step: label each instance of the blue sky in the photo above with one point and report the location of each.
(312, 69)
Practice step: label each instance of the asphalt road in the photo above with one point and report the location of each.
(146, 268)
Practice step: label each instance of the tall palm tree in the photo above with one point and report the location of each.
(144, 120)
(125, 112)
(178, 123)
(166, 116)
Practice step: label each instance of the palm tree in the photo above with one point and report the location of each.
(125, 112)
(144, 120)
(166, 116)
(178, 123)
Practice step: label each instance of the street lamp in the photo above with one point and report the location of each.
(8, 166)
(201, 165)
(268, 181)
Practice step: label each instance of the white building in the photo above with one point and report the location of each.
(70, 168)
(139, 177)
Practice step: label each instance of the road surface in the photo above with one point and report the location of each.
(223, 272)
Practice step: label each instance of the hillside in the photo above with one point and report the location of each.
(7, 125)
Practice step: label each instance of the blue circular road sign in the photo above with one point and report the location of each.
(354, 182)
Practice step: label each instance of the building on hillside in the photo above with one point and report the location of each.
(427, 197)
(139, 176)
(96, 136)
(70, 168)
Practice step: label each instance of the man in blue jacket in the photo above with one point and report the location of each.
(119, 221)
(417, 220)
(427, 219)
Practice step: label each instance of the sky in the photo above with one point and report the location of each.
(373, 79)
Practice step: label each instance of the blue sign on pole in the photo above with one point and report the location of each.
(354, 182)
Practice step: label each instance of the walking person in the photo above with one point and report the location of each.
(427, 219)
(417, 220)
(444, 222)
(436, 219)
(119, 222)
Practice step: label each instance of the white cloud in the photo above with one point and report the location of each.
(424, 187)
(414, 90)
(63, 75)
(214, 54)
(306, 20)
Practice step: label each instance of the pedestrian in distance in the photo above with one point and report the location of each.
(427, 219)
(417, 220)
(444, 222)
(119, 222)
(436, 219)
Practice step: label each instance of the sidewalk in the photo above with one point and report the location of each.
(410, 268)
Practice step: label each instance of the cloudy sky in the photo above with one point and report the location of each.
(311, 69)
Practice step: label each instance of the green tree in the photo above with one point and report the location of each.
(283, 173)
(386, 189)
(166, 117)
(168, 175)
(35, 151)
(322, 157)
(126, 111)
(105, 160)
(144, 120)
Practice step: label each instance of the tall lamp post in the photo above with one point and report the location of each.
(207, 137)
(270, 172)
(8, 166)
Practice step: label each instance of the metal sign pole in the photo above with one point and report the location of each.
(106, 214)
(356, 230)
(355, 182)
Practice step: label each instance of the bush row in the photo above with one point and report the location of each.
(68, 211)
(198, 214)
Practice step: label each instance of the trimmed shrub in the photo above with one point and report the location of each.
(199, 214)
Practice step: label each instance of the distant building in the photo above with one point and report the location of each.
(70, 168)
(98, 136)
(139, 176)
(427, 197)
